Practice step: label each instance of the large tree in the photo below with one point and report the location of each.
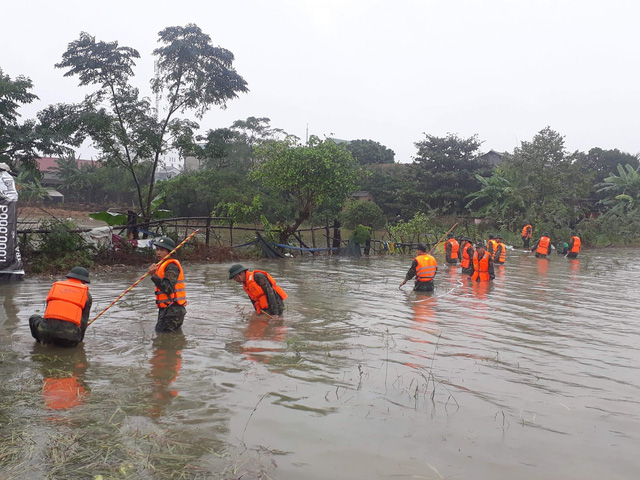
(319, 173)
(445, 170)
(370, 152)
(192, 75)
(53, 133)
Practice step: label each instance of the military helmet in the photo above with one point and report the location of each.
(79, 273)
(235, 270)
(450, 235)
(165, 242)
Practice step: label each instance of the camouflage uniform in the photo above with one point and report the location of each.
(172, 317)
(60, 332)
(276, 304)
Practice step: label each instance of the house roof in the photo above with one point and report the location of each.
(48, 164)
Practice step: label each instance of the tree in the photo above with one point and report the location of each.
(500, 199)
(369, 152)
(622, 190)
(306, 176)
(445, 169)
(235, 146)
(363, 212)
(52, 133)
(192, 76)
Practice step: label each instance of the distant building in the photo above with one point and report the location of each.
(362, 196)
(164, 173)
(491, 158)
(48, 167)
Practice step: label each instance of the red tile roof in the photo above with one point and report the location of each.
(50, 163)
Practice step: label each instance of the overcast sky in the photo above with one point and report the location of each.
(388, 71)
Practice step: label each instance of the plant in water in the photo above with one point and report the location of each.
(61, 249)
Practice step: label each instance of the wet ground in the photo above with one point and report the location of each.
(535, 376)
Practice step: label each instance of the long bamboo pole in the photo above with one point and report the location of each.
(442, 238)
(144, 276)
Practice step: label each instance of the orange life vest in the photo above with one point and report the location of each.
(491, 247)
(179, 294)
(256, 293)
(481, 267)
(426, 269)
(454, 246)
(526, 231)
(66, 299)
(576, 245)
(501, 253)
(466, 259)
(543, 246)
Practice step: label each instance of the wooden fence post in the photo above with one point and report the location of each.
(207, 235)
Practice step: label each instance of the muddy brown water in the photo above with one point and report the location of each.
(535, 376)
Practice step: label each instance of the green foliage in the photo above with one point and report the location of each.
(61, 249)
(411, 230)
(445, 169)
(306, 176)
(622, 191)
(368, 152)
(29, 187)
(361, 234)
(363, 212)
(192, 75)
(393, 188)
(499, 198)
(26, 141)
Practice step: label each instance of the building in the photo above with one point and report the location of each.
(48, 167)
(491, 158)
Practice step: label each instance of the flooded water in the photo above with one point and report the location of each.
(535, 376)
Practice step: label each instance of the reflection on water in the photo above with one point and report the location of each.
(534, 375)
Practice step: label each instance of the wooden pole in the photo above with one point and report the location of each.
(143, 277)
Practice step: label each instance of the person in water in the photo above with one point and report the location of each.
(543, 246)
(451, 249)
(262, 289)
(424, 267)
(482, 265)
(171, 297)
(574, 246)
(66, 315)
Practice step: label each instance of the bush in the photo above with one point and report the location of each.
(60, 250)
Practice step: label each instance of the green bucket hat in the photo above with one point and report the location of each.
(165, 242)
(235, 270)
(79, 273)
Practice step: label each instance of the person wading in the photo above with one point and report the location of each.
(168, 277)
(574, 246)
(492, 244)
(467, 256)
(451, 249)
(423, 268)
(543, 246)
(500, 254)
(262, 289)
(527, 232)
(67, 313)
(482, 265)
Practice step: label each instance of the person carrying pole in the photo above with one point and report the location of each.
(267, 297)
(451, 248)
(168, 277)
(66, 315)
(424, 267)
